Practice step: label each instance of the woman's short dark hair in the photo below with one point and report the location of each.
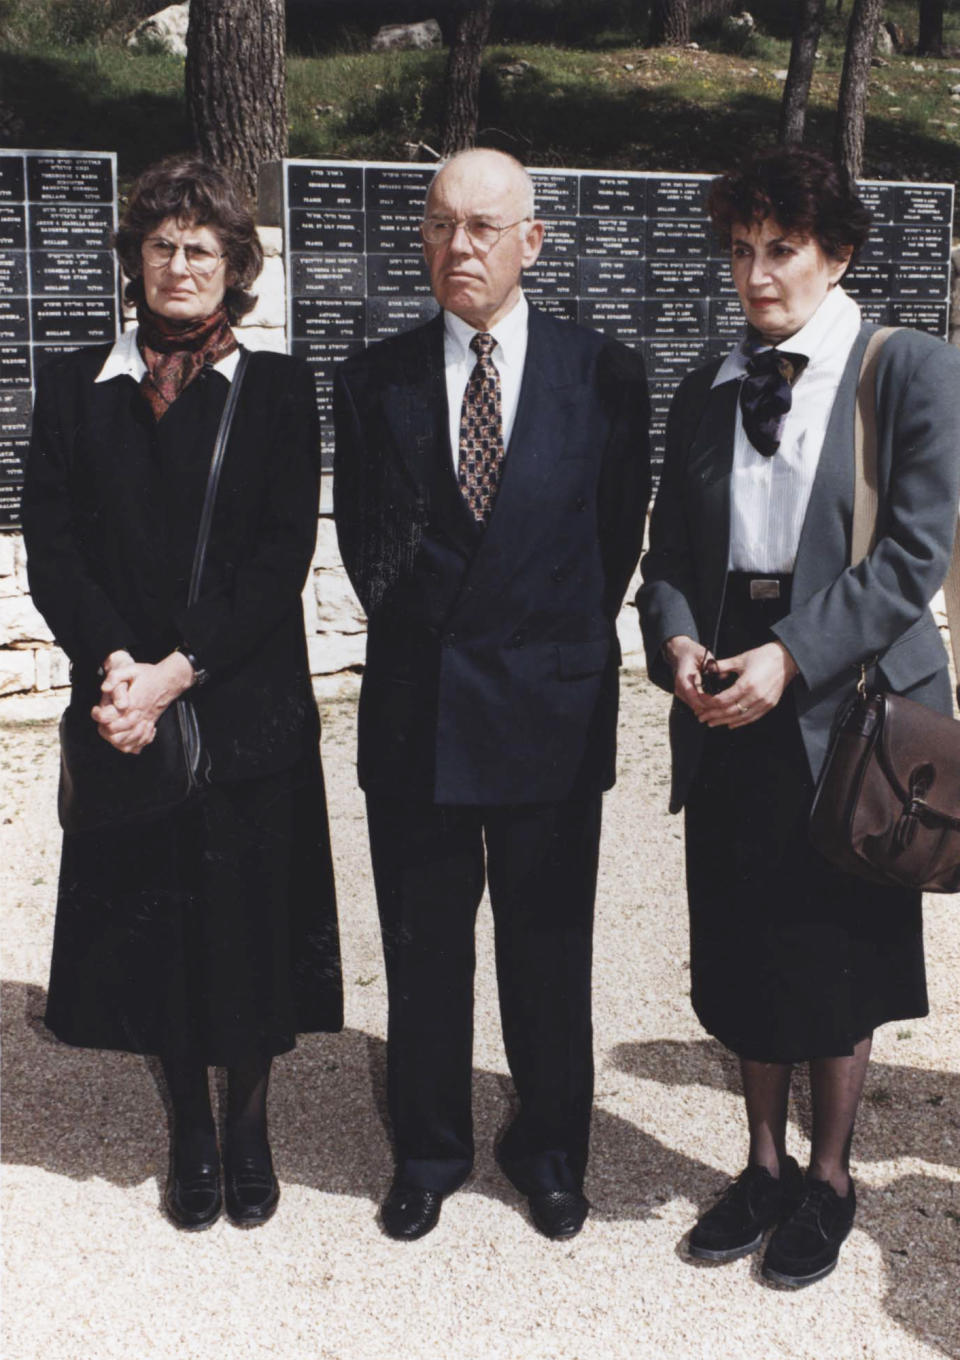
(804, 191)
(193, 191)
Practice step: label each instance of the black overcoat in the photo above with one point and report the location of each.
(110, 534)
(210, 933)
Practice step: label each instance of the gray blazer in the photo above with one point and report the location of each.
(840, 615)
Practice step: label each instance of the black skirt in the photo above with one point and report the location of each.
(790, 959)
(210, 935)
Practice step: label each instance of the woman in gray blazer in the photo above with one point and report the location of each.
(755, 620)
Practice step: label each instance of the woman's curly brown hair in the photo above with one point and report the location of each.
(804, 191)
(193, 191)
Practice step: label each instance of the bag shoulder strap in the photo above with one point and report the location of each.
(213, 476)
(865, 490)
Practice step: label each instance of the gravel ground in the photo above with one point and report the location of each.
(93, 1272)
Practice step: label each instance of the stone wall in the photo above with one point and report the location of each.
(30, 661)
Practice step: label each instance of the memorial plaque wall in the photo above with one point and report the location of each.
(58, 281)
(629, 253)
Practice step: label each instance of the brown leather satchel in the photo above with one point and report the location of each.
(887, 805)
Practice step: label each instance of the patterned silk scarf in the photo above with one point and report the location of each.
(175, 352)
(766, 394)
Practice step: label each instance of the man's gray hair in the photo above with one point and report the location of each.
(527, 200)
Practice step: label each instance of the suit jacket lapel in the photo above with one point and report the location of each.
(709, 468)
(537, 441)
(825, 536)
(416, 406)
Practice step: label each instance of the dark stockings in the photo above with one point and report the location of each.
(766, 1088)
(247, 1108)
(836, 1085)
(194, 1130)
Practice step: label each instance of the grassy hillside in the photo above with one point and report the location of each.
(614, 104)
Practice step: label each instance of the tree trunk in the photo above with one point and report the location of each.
(461, 107)
(803, 52)
(930, 40)
(669, 23)
(852, 105)
(236, 84)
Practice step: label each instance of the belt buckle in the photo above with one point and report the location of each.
(761, 589)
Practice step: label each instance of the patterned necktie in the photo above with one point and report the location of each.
(766, 395)
(481, 431)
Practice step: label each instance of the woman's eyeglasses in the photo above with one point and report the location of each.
(158, 253)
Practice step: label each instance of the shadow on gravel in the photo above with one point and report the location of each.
(88, 1113)
(907, 1112)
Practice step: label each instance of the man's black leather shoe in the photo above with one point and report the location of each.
(750, 1205)
(192, 1197)
(408, 1212)
(252, 1191)
(558, 1213)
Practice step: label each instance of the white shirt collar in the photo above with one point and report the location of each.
(125, 360)
(509, 332)
(837, 315)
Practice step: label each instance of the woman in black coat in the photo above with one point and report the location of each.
(756, 620)
(207, 936)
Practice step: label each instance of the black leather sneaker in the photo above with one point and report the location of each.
(806, 1245)
(751, 1204)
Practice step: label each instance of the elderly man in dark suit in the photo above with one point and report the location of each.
(491, 480)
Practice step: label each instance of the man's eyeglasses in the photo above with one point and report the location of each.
(440, 231)
(158, 253)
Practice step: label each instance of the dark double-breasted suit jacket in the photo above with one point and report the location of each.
(491, 675)
(841, 614)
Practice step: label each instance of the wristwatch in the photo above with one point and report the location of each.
(200, 676)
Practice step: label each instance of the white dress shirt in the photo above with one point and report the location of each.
(769, 496)
(125, 358)
(508, 357)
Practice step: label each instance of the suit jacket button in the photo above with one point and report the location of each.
(581, 502)
(449, 639)
(517, 639)
(559, 574)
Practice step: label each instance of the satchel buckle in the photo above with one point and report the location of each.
(862, 686)
(914, 806)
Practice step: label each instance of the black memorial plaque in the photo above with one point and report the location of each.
(552, 277)
(393, 233)
(69, 177)
(14, 321)
(12, 179)
(629, 253)
(317, 232)
(328, 187)
(13, 227)
(397, 189)
(66, 320)
(562, 237)
(326, 276)
(601, 278)
(58, 281)
(71, 226)
(556, 193)
(613, 195)
(396, 275)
